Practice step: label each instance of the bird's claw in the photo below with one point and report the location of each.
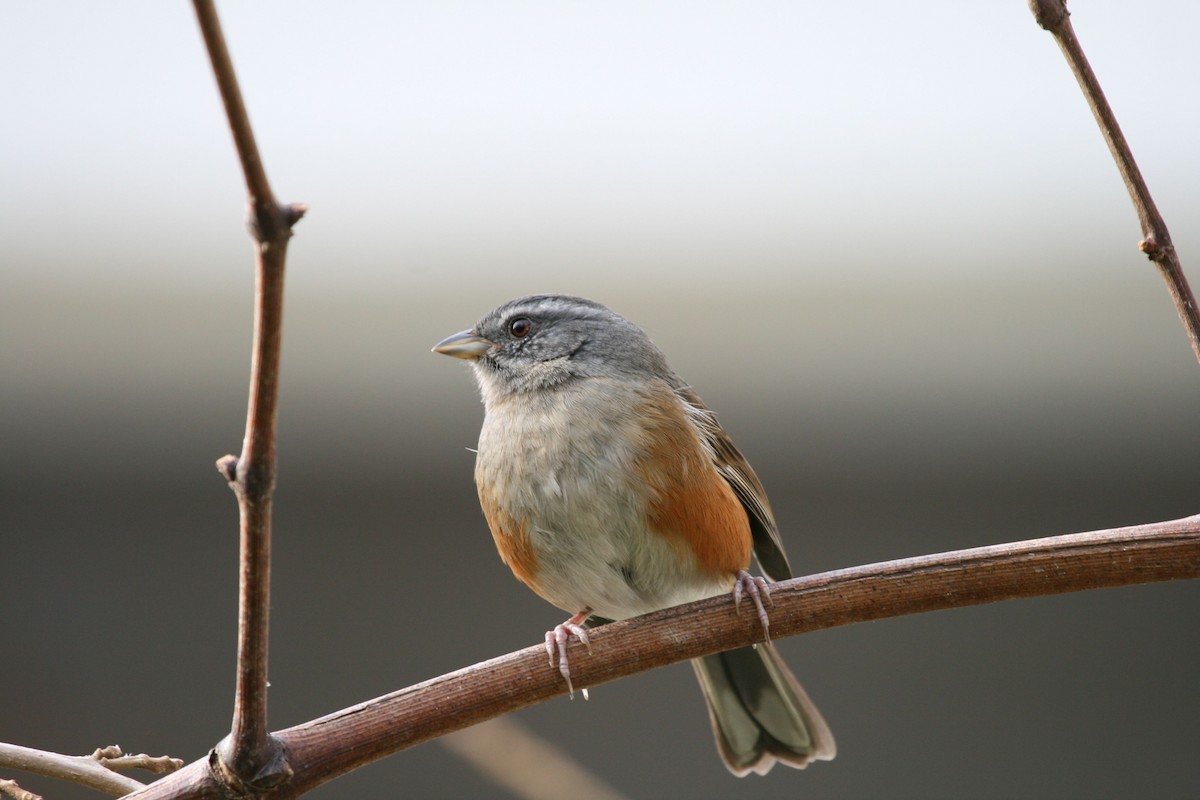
(755, 587)
(557, 641)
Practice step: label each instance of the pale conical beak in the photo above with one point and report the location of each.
(464, 344)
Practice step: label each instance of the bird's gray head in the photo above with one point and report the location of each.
(548, 340)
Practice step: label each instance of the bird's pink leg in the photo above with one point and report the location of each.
(754, 587)
(557, 640)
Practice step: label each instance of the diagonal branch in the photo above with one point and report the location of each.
(333, 745)
(250, 758)
(1053, 16)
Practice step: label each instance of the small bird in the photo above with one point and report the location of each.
(612, 491)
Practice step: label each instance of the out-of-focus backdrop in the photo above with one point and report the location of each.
(884, 241)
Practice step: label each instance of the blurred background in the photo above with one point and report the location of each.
(884, 241)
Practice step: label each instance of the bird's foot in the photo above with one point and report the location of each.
(558, 639)
(754, 587)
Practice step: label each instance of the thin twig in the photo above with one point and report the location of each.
(115, 758)
(1156, 243)
(83, 770)
(12, 789)
(333, 745)
(255, 174)
(250, 758)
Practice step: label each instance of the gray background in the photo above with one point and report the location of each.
(885, 242)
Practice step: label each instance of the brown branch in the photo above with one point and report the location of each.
(333, 745)
(82, 770)
(1053, 16)
(114, 758)
(250, 758)
(13, 789)
(250, 763)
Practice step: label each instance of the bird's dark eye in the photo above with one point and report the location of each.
(520, 327)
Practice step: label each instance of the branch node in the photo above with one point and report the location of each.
(112, 751)
(1155, 250)
(1050, 14)
(273, 771)
(271, 223)
(227, 466)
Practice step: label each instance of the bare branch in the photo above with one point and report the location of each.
(250, 759)
(251, 762)
(115, 758)
(83, 770)
(1053, 16)
(333, 745)
(13, 790)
